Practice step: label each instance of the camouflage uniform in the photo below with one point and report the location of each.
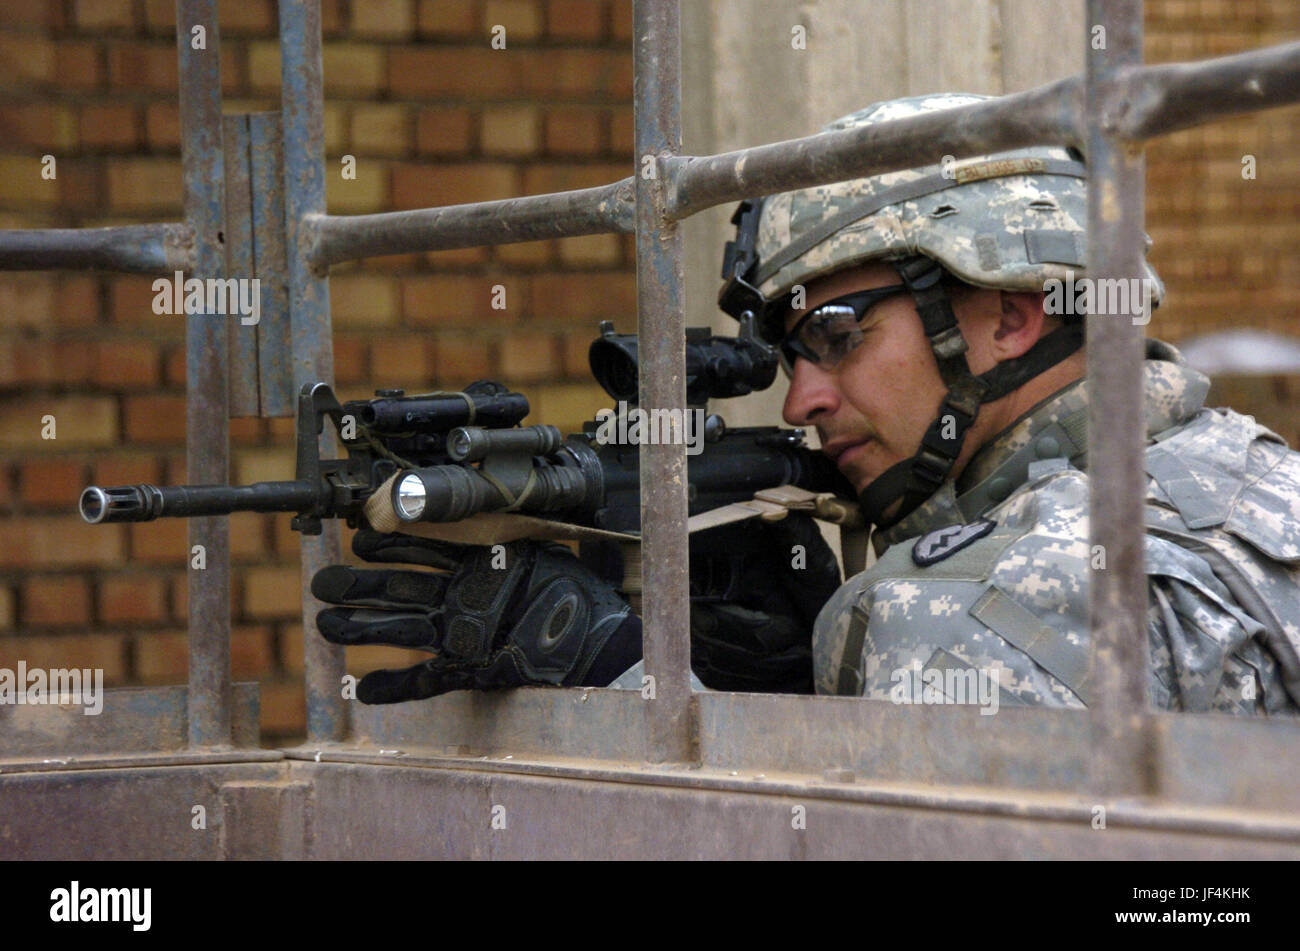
(1222, 553)
(1222, 503)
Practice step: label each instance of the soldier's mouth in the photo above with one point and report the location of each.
(843, 451)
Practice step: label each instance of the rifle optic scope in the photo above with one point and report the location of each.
(716, 367)
(483, 403)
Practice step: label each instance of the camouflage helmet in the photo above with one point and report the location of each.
(1009, 221)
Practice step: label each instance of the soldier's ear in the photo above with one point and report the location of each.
(1020, 324)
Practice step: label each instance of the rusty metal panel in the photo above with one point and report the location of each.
(270, 265)
(574, 722)
(263, 819)
(1205, 760)
(242, 338)
(137, 813)
(261, 360)
(133, 720)
(365, 811)
(337, 810)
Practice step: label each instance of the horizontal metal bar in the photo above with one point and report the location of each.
(1156, 100)
(1148, 101)
(81, 763)
(1141, 102)
(133, 720)
(1046, 114)
(146, 249)
(608, 208)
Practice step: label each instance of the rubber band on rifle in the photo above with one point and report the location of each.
(384, 452)
(513, 502)
(469, 401)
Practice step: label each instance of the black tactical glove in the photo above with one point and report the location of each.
(754, 599)
(538, 617)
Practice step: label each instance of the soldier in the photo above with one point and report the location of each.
(911, 313)
(981, 506)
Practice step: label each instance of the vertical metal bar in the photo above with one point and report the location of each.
(239, 264)
(274, 355)
(302, 121)
(657, 78)
(206, 421)
(1116, 421)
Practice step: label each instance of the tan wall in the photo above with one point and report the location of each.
(434, 117)
(751, 83)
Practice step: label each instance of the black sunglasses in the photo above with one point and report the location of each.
(826, 334)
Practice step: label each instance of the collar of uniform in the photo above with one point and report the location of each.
(1172, 390)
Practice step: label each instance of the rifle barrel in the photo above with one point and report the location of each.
(144, 502)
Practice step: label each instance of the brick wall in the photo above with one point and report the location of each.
(433, 115)
(1227, 246)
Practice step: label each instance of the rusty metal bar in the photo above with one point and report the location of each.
(1158, 100)
(1051, 113)
(559, 215)
(661, 321)
(1117, 594)
(140, 249)
(132, 720)
(1142, 102)
(302, 123)
(207, 427)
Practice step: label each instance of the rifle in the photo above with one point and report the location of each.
(439, 463)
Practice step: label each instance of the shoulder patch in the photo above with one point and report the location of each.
(942, 542)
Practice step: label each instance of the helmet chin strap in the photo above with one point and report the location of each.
(897, 491)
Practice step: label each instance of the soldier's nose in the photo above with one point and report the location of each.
(812, 395)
